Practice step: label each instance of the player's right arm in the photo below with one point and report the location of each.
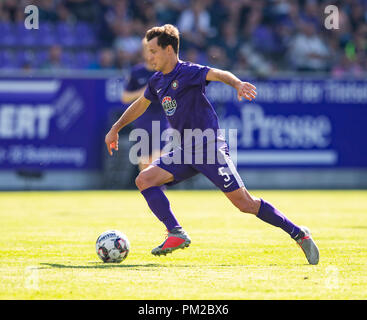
(130, 96)
(134, 111)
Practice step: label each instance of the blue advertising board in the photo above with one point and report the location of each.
(51, 123)
(60, 123)
(297, 123)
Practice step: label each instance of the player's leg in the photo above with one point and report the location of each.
(245, 202)
(148, 182)
(230, 182)
(146, 160)
(225, 176)
(144, 163)
(242, 199)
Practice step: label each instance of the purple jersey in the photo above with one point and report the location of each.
(182, 96)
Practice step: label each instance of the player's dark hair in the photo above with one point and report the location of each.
(166, 35)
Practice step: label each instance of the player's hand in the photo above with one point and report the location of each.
(246, 90)
(112, 141)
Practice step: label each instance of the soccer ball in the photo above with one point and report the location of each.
(112, 246)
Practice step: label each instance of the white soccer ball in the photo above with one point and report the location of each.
(112, 246)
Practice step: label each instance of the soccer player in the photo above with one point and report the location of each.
(180, 87)
(135, 87)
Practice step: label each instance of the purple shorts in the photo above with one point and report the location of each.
(211, 159)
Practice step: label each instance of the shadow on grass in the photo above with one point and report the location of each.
(101, 265)
(148, 266)
(357, 227)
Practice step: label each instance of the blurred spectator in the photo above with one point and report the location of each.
(8, 10)
(241, 64)
(312, 12)
(219, 14)
(104, 28)
(194, 24)
(192, 55)
(357, 15)
(343, 34)
(262, 36)
(64, 15)
(217, 58)
(347, 68)
(308, 51)
(116, 13)
(120, 61)
(357, 45)
(236, 10)
(229, 40)
(123, 60)
(254, 20)
(195, 56)
(54, 61)
(83, 10)
(47, 11)
(256, 62)
(168, 11)
(127, 41)
(144, 12)
(106, 60)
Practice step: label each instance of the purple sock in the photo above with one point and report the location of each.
(273, 216)
(159, 204)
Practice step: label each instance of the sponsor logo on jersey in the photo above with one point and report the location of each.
(169, 105)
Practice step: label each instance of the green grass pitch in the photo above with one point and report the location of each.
(47, 247)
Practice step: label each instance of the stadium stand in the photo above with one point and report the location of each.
(234, 34)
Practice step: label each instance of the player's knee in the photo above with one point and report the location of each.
(249, 206)
(142, 181)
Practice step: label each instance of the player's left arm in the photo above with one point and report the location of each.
(244, 89)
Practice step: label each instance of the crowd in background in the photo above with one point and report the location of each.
(263, 37)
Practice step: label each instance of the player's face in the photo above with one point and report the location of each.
(157, 56)
(146, 57)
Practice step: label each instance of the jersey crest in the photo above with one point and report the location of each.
(174, 85)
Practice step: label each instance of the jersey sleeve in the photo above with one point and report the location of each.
(150, 93)
(198, 75)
